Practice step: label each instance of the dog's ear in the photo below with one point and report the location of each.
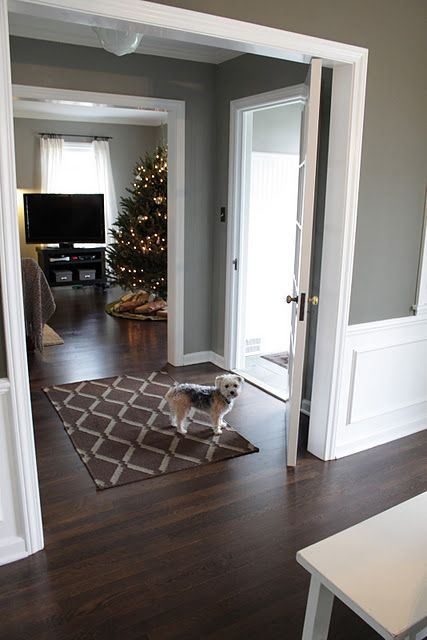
(218, 380)
(240, 379)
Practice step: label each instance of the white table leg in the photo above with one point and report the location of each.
(318, 611)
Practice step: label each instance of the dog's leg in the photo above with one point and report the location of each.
(221, 417)
(216, 418)
(173, 418)
(172, 410)
(181, 411)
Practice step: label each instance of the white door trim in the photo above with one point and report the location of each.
(22, 459)
(176, 189)
(196, 27)
(420, 306)
(240, 130)
(345, 144)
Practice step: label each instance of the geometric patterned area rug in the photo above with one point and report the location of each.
(120, 427)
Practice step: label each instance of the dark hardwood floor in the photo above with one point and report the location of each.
(204, 553)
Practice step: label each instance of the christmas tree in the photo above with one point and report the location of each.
(137, 258)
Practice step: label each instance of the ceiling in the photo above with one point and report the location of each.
(82, 112)
(28, 26)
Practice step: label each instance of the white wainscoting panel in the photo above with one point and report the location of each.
(384, 388)
(12, 543)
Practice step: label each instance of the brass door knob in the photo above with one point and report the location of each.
(290, 299)
(314, 300)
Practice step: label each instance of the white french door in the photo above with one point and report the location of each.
(262, 203)
(299, 298)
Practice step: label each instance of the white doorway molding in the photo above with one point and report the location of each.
(175, 110)
(348, 99)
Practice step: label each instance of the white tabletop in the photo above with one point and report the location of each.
(379, 567)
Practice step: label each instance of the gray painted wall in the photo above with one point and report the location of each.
(238, 78)
(394, 160)
(128, 144)
(277, 130)
(60, 65)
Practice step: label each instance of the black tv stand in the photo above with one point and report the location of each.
(72, 263)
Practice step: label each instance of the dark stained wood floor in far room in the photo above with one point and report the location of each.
(205, 553)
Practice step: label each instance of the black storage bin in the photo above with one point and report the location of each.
(62, 275)
(87, 274)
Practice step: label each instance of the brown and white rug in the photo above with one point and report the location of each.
(282, 359)
(121, 429)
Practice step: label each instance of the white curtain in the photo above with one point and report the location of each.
(105, 185)
(51, 149)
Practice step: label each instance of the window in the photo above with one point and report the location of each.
(79, 167)
(78, 170)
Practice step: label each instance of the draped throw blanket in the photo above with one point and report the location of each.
(39, 304)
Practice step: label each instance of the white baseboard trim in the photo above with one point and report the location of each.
(420, 309)
(218, 361)
(12, 549)
(199, 357)
(401, 431)
(305, 407)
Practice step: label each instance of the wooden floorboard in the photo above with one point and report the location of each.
(204, 553)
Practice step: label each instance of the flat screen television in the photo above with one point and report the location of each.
(64, 218)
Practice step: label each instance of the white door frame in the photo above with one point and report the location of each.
(175, 110)
(345, 142)
(348, 100)
(237, 231)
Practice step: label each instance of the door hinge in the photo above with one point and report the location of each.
(235, 262)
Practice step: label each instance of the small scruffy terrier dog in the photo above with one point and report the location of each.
(216, 400)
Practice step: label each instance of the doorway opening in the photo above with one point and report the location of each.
(130, 118)
(271, 141)
(349, 85)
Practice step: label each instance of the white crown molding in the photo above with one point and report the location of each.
(28, 114)
(46, 111)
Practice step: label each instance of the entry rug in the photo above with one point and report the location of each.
(282, 359)
(120, 427)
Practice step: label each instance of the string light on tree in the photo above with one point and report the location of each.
(137, 258)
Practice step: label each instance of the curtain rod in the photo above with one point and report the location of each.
(74, 135)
